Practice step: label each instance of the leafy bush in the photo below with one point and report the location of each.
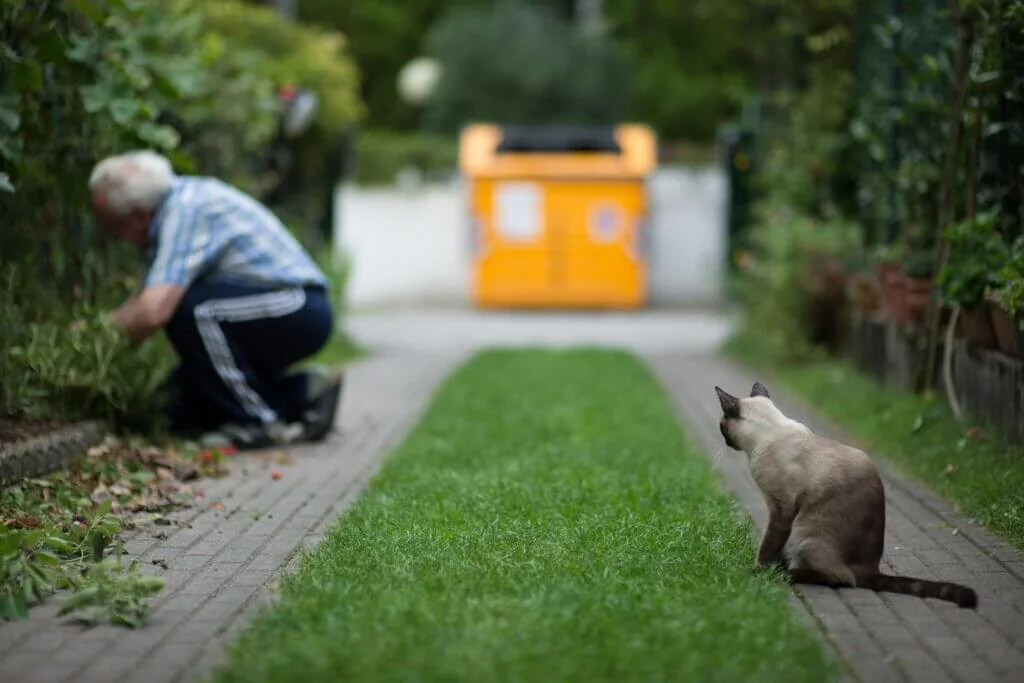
(381, 155)
(288, 52)
(516, 63)
(977, 253)
(780, 278)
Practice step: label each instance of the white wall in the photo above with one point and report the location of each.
(404, 246)
(688, 254)
(410, 247)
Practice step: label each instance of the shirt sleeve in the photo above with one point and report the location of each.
(187, 245)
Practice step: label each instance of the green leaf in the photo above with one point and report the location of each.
(83, 598)
(122, 619)
(13, 608)
(89, 10)
(123, 111)
(918, 424)
(27, 76)
(61, 544)
(9, 116)
(82, 50)
(52, 48)
(95, 97)
(96, 546)
(163, 137)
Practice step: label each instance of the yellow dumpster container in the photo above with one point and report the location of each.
(558, 214)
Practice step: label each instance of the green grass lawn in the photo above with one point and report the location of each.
(545, 521)
(983, 477)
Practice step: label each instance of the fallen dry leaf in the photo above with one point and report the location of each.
(950, 468)
(275, 474)
(216, 505)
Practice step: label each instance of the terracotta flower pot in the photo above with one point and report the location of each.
(1006, 332)
(918, 296)
(863, 292)
(977, 328)
(896, 297)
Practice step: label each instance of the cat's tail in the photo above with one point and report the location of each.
(923, 588)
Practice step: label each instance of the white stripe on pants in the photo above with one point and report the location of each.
(210, 314)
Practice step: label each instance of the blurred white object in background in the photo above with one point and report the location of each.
(418, 79)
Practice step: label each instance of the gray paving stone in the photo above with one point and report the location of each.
(883, 636)
(221, 565)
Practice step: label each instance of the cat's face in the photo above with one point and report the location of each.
(736, 415)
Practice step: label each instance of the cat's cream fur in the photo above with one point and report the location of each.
(826, 502)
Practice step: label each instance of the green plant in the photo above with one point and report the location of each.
(779, 282)
(288, 52)
(381, 155)
(86, 367)
(1008, 289)
(977, 252)
(51, 534)
(109, 593)
(61, 532)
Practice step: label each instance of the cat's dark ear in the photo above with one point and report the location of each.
(759, 390)
(730, 404)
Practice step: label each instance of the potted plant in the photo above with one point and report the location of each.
(887, 260)
(891, 281)
(862, 293)
(977, 252)
(1006, 302)
(918, 270)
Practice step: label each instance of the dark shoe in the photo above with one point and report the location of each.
(248, 437)
(325, 393)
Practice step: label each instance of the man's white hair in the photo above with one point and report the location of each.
(133, 181)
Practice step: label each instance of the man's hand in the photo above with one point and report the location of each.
(142, 316)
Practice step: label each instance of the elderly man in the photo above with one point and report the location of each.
(238, 297)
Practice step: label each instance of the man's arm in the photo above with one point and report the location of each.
(186, 246)
(140, 317)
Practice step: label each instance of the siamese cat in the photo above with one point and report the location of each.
(826, 504)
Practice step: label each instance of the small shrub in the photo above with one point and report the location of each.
(977, 251)
(381, 155)
(790, 259)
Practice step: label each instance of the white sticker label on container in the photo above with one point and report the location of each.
(518, 211)
(605, 222)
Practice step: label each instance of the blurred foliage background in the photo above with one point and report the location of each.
(896, 119)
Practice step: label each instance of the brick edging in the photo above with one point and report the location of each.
(42, 455)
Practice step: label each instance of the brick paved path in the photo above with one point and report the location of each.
(220, 563)
(887, 637)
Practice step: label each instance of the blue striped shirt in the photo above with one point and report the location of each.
(208, 231)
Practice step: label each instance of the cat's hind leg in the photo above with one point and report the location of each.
(817, 563)
(813, 578)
